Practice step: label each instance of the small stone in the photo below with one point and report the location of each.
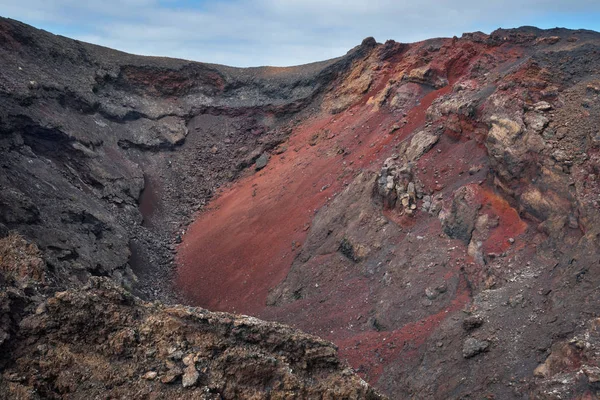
(14, 377)
(573, 222)
(541, 371)
(578, 343)
(280, 149)
(411, 191)
(262, 161)
(561, 156)
(171, 376)
(441, 288)
(474, 169)
(472, 322)
(214, 150)
(150, 375)
(536, 122)
(592, 373)
(472, 347)
(188, 360)
(431, 293)
(41, 309)
(511, 240)
(548, 40)
(542, 106)
(593, 89)
(190, 377)
(150, 352)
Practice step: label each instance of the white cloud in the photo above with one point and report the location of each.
(276, 32)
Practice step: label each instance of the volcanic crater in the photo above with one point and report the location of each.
(428, 211)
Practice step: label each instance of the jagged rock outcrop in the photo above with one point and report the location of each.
(99, 341)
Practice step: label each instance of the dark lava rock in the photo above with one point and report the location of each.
(472, 347)
(472, 322)
(261, 161)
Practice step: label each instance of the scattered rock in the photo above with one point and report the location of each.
(420, 144)
(433, 293)
(549, 40)
(262, 161)
(427, 76)
(592, 373)
(541, 371)
(536, 122)
(347, 249)
(150, 375)
(475, 169)
(472, 322)
(542, 106)
(459, 220)
(473, 347)
(430, 293)
(171, 375)
(190, 377)
(282, 148)
(188, 360)
(595, 89)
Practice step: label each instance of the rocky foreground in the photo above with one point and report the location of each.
(100, 341)
(430, 208)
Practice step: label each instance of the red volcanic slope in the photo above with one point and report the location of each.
(245, 242)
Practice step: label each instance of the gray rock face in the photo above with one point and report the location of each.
(420, 144)
(459, 221)
(396, 186)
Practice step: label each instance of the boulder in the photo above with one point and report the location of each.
(261, 161)
(472, 347)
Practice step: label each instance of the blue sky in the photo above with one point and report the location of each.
(283, 32)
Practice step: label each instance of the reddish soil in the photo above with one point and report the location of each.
(510, 224)
(371, 351)
(244, 244)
